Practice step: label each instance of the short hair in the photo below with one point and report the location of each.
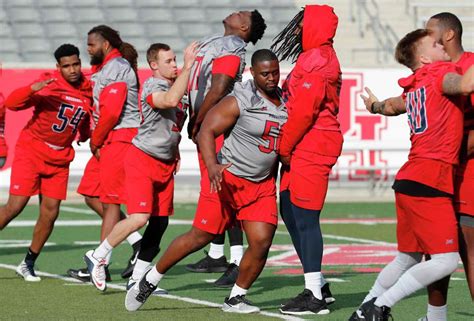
(263, 55)
(66, 50)
(257, 27)
(109, 34)
(405, 52)
(449, 21)
(154, 49)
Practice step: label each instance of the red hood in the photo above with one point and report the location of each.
(62, 86)
(319, 26)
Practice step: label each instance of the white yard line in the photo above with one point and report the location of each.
(345, 238)
(168, 296)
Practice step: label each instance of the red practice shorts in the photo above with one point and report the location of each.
(112, 173)
(33, 174)
(90, 181)
(149, 184)
(464, 188)
(239, 199)
(308, 179)
(426, 224)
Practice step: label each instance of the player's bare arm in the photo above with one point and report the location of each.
(221, 85)
(171, 98)
(37, 86)
(454, 84)
(219, 120)
(392, 106)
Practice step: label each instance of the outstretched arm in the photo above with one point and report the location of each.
(392, 106)
(455, 84)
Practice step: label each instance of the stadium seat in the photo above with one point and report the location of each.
(28, 30)
(161, 29)
(56, 15)
(46, 57)
(190, 15)
(177, 44)
(19, 3)
(52, 3)
(74, 40)
(10, 57)
(5, 29)
(8, 45)
(23, 14)
(284, 14)
(150, 3)
(122, 14)
(251, 3)
(117, 3)
(35, 45)
(217, 14)
(83, 3)
(195, 30)
(129, 29)
(155, 15)
(220, 3)
(61, 30)
(184, 3)
(88, 15)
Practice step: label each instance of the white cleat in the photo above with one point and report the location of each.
(138, 294)
(27, 272)
(97, 270)
(425, 318)
(239, 304)
(158, 291)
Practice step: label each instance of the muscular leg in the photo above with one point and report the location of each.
(95, 204)
(259, 238)
(49, 210)
(182, 246)
(14, 206)
(125, 227)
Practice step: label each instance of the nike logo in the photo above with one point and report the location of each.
(134, 260)
(83, 275)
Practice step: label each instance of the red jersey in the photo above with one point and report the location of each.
(312, 89)
(3, 145)
(59, 110)
(435, 122)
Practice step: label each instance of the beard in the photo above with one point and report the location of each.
(97, 59)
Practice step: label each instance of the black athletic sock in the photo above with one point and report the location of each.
(136, 246)
(31, 257)
(289, 218)
(150, 243)
(219, 239)
(236, 236)
(311, 239)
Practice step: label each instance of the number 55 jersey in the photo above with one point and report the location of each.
(43, 150)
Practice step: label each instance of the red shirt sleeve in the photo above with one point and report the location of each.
(306, 95)
(111, 101)
(149, 100)
(227, 65)
(442, 71)
(21, 98)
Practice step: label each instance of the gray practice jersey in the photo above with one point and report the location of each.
(159, 134)
(201, 73)
(118, 70)
(252, 144)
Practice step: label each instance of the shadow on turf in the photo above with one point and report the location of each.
(52, 248)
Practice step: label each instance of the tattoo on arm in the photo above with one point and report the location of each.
(378, 107)
(452, 84)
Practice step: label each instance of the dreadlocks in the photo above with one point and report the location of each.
(109, 34)
(287, 44)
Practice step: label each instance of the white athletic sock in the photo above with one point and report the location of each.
(103, 249)
(312, 281)
(323, 280)
(134, 238)
(216, 251)
(237, 290)
(403, 288)
(108, 257)
(236, 253)
(437, 313)
(154, 277)
(376, 291)
(139, 269)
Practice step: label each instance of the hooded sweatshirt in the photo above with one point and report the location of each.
(313, 87)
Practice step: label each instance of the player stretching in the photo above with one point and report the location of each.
(150, 163)
(424, 186)
(311, 143)
(242, 176)
(62, 102)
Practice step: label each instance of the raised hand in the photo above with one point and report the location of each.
(369, 100)
(37, 86)
(190, 54)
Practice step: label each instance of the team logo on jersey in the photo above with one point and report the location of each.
(307, 85)
(358, 125)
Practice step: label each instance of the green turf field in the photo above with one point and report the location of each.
(354, 248)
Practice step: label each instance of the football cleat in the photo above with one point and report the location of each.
(84, 275)
(239, 304)
(208, 265)
(138, 294)
(96, 269)
(327, 295)
(305, 303)
(127, 272)
(159, 291)
(229, 277)
(27, 271)
(371, 312)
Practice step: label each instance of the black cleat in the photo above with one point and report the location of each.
(357, 314)
(305, 303)
(229, 277)
(84, 275)
(127, 272)
(239, 304)
(327, 295)
(371, 312)
(209, 265)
